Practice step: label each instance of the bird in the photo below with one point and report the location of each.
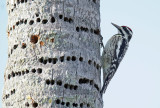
(113, 53)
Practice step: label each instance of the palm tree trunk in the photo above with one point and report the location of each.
(53, 54)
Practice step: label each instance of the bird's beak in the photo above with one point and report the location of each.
(118, 27)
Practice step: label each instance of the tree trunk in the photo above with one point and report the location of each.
(53, 54)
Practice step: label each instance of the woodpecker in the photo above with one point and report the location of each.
(113, 53)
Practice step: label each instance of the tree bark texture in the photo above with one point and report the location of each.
(53, 54)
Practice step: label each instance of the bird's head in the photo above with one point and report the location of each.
(125, 31)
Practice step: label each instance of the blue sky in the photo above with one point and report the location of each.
(137, 81)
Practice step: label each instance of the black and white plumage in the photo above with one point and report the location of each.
(113, 53)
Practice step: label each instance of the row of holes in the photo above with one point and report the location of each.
(85, 29)
(68, 58)
(25, 1)
(34, 104)
(68, 104)
(12, 92)
(59, 83)
(87, 81)
(13, 74)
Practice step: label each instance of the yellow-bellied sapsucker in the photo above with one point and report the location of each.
(113, 53)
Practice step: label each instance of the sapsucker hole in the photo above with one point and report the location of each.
(68, 58)
(66, 19)
(49, 60)
(58, 101)
(41, 60)
(38, 20)
(59, 82)
(18, 1)
(33, 70)
(66, 86)
(81, 59)
(27, 104)
(13, 74)
(44, 21)
(91, 82)
(94, 1)
(37, 15)
(60, 16)
(25, 21)
(24, 45)
(17, 23)
(52, 82)
(81, 28)
(89, 62)
(19, 73)
(96, 86)
(75, 87)
(91, 30)
(23, 72)
(88, 105)
(67, 104)
(70, 20)
(71, 87)
(52, 19)
(62, 103)
(34, 39)
(31, 22)
(27, 71)
(62, 59)
(97, 31)
(26, 1)
(55, 60)
(73, 58)
(94, 64)
(44, 61)
(75, 104)
(97, 66)
(80, 81)
(16, 73)
(35, 104)
(21, 21)
(52, 40)
(48, 82)
(22, 1)
(39, 70)
(81, 105)
(9, 76)
(77, 29)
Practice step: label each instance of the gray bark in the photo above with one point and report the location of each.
(53, 54)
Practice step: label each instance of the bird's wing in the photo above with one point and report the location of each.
(111, 57)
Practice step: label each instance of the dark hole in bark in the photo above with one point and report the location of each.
(37, 15)
(58, 101)
(94, 64)
(41, 60)
(77, 29)
(80, 81)
(35, 104)
(86, 29)
(66, 19)
(96, 86)
(88, 105)
(47, 81)
(70, 20)
(27, 104)
(62, 103)
(11, 51)
(44, 21)
(22, 1)
(49, 60)
(23, 45)
(19, 73)
(34, 39)
(75, 87)
(26, 1)
(81, 59)
(27, 71)
(25, 21)
(18, 1)
(16, 73)
(89, 62)
(39, 70)
(23, 72)
(52, 82)
(13, 74)
(62, 59)
(68, 58)
(14, 90)
(71, 87)
(21, 21)
(60, 16)
(59, 82)
(75, 104)
(94, 1)
(97, 31)
(9, 76)
(33, 70)
(11, 92)
(31, 22)
(52, 20)
(55, 60)
(44, 61)
(67, 104)
(17, 23)
(91, 30)
(91, 82)
(81, 105)
(97, 66)
(66, 86)
(38, 20)
(73, 58)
